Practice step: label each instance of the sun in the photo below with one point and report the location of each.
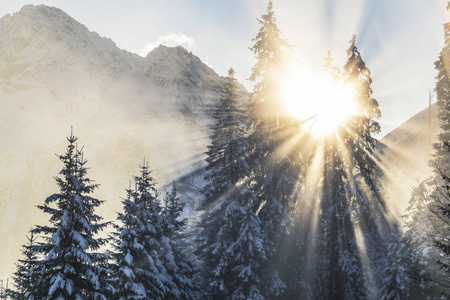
(323, 103)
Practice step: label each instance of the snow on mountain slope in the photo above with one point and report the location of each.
(54, 74)
(404, 154)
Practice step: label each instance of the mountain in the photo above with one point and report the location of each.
(404, 154)
(55, 74)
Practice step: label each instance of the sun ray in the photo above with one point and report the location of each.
(321, 101)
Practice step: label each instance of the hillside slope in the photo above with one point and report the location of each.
(404, 154)
(54, 74)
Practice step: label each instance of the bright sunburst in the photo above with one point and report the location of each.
(325, 103)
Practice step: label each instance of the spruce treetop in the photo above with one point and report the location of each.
(357, 74)
(442, 91)
(273, 54)
(72, 268)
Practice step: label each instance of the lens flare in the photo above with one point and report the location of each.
(325, 103)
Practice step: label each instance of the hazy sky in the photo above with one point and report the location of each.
(398, 39)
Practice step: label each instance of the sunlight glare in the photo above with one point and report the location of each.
(325, 103)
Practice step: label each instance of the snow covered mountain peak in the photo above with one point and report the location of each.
(168, 62)
(56, 73)
(163, 50)
(41, 14)
(41, 23)
(40, 38)
(177, 56)
(45, 42)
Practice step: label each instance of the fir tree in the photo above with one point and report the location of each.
(179, 266)
(329, 68)
(440, 206)
(396, 282)
(138, 265)
(229, 270)
(27, 277)
(72, 268)
(363, 125)
(227, 154)
(440, 209)
(441, 157)
(273, 173)
(248, 257)
(219, 233)
(296, 258)
(428, 222)
(429, 211)
(417, 216)
(352, 222)
(417, 240)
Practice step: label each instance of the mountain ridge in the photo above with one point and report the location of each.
(56, 74)
(404, 154)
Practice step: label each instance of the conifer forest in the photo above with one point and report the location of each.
(289, 207)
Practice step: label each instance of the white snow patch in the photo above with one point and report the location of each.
(172, 39)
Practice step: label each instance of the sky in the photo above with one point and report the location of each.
(399, 40)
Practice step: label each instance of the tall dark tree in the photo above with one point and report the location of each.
(179, 265)
(440, 208)
(440, 194)
(421, 266)
(248, 256)
(226, 159)
(352, 222)
(230, 236)
(396, 282)
(273, 172)
(72, 267)
(27, 276)
(442, 89)
(364, 124)
(138, 265)
(428, 221)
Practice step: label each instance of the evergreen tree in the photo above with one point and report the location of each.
(229, 270)
(329, 68)
(273, 172)
(441, 157)
(428, 222)
(396, 283)
(27, 277)
(423, 271)
(363, 125)
(440, 206)
(352, 222)
(417, 240)
(440, 209)
(220, 227)
(138, 265)
(296, 263)
(179, 266)
(247, 257)
(72, 268)
(428, 214)
(227, 154)
(417, 216)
